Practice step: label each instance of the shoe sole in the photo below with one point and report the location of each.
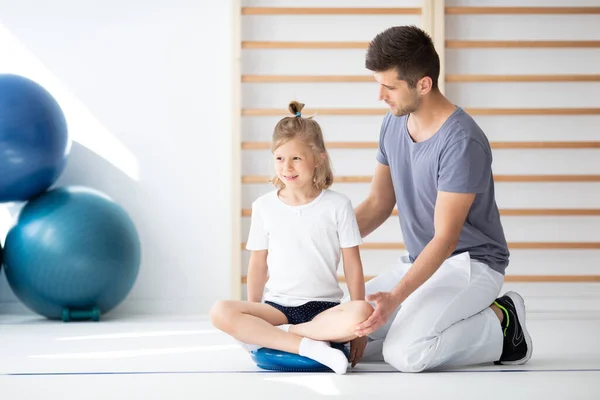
(520, 306)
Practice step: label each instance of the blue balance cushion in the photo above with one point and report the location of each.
(277, 360)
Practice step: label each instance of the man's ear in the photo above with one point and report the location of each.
(424, 85)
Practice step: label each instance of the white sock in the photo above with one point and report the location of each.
(284, 327)
(325, 354)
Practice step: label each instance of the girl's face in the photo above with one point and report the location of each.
(295, 164)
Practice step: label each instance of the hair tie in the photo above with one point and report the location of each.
(298, 114)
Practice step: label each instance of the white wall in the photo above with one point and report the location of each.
(540, 296)
(146, 86)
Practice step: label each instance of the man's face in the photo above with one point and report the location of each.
(401, 99)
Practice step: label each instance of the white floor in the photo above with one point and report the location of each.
(185, 358)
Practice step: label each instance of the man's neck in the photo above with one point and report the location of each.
(433, 111)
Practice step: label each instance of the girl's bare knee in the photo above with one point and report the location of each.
(220, 314)
(362, 310)
(358, 311)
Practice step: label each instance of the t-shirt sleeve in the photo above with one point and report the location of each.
(465, 167)
(348, 232)
(258, 238)
(381, 154)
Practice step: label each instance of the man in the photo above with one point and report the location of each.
(439, 307)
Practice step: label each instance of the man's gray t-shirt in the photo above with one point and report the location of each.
(458, 158)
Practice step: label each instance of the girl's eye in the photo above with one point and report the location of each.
(296, 158)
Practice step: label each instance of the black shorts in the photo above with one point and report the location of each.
(304, 313)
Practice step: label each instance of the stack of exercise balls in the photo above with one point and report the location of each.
(72, 253)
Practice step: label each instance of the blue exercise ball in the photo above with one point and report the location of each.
(73, 253)
(0, 257)
(34, 142)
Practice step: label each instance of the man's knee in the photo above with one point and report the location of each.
(417, 356)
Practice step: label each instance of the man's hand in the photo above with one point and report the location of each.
(357, 349)
(385, 304)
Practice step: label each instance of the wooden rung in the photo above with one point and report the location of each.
(452, 44)
(330, 145)
(553, 278)
(270, 112)
(449, 78)
(491, 44)
(303, 45)
(522, 10)
(517, 212)
(545, 145)
(497, 178)
(327, 11)
(557, 212)
(533, 111)
(494, 145)
(415, 11)
(513, 278)
(547, 178)
(511, 246)
(306, 78)
(522, 78)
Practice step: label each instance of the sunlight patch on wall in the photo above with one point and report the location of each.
(83, 127)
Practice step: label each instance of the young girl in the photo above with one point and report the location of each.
(297, 234)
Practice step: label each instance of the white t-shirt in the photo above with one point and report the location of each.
(304, 245)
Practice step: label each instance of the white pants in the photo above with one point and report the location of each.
(446, 322)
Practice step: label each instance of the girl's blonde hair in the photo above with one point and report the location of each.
(309, 131)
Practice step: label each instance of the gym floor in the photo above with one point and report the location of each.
(186, 358)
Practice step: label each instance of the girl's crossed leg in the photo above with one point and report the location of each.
(256, 323)
(336, 324)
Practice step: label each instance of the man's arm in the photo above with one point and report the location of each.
(451, 211)
(465, 169)
(378, 206)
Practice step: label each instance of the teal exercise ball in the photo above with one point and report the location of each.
(34, 141)
(72, 250)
